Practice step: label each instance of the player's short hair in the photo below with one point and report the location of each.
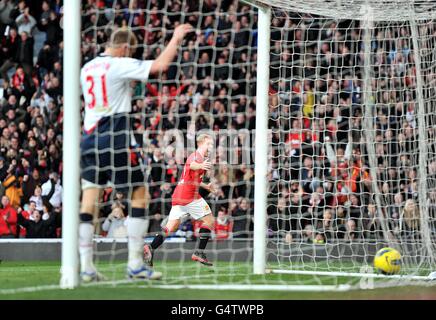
(203, 136)
(122, 36)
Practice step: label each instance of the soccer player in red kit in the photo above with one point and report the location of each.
(187, 201)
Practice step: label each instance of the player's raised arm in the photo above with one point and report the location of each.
(163, 61)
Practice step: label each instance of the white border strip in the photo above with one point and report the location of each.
(97, 240)
(348, 274)
(29, 289)
(259, 287)
(236, 287)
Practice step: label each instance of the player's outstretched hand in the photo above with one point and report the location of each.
(206, 165)
(181, 31)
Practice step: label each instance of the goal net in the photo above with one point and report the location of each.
(352, 119)
(351, 130)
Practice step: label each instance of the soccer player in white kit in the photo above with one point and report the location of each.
(107, 146)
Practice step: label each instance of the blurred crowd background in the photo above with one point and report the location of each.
(320, 185)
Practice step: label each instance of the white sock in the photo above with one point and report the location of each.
(86, 233)
(136, 229)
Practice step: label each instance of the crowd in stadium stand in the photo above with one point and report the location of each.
(320, 184)
(332, 194)
(31, 119)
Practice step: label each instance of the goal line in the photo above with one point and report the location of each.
(348, 274)
(261, 287)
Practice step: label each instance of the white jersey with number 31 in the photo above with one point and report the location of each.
(105, 83)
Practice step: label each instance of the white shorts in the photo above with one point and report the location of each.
(197, 209)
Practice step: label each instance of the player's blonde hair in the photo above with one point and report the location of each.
(203, 136)
(122, 36)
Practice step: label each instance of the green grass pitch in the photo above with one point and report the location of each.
(39, 280)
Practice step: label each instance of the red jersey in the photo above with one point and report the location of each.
(222, 231)
(8, 221)
(26, 215)
(189, 184)
(295, 138)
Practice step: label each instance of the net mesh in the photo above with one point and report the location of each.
(382, 10)
(352, 148)
(210, 85)
(344, 164)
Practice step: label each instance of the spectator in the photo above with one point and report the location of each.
(29, 184)
(25, 22)
(115, 224)
(121, 198)
(45, 14)
(371, 223)
(49, 213)
(3, 174)
(355, 209)
(54, 90)
(22, 83)
(350, 233)
(326, 226)
(223, 225)
(280, 220)
(46, 59)
(395, 210)
(52, 190)
(12, 186)
(160, 206)
(409, 220)
(37, 198)
(36, 227)
(9, 50)
(155, 223)
(8, 219)
(308, 234)
(319, 237)
(110, 198)
(18, 9)
(157, 164)
(12, 104)
(6, 7)
(49, 23)
(24, 55)
(242, 220)
(27, 214)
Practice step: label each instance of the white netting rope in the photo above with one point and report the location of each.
(383, 10)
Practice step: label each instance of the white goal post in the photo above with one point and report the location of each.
(261, 142)
(71, 150)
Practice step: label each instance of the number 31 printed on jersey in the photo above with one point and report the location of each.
(91, 91)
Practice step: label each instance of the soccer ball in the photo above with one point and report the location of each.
(387, 261)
